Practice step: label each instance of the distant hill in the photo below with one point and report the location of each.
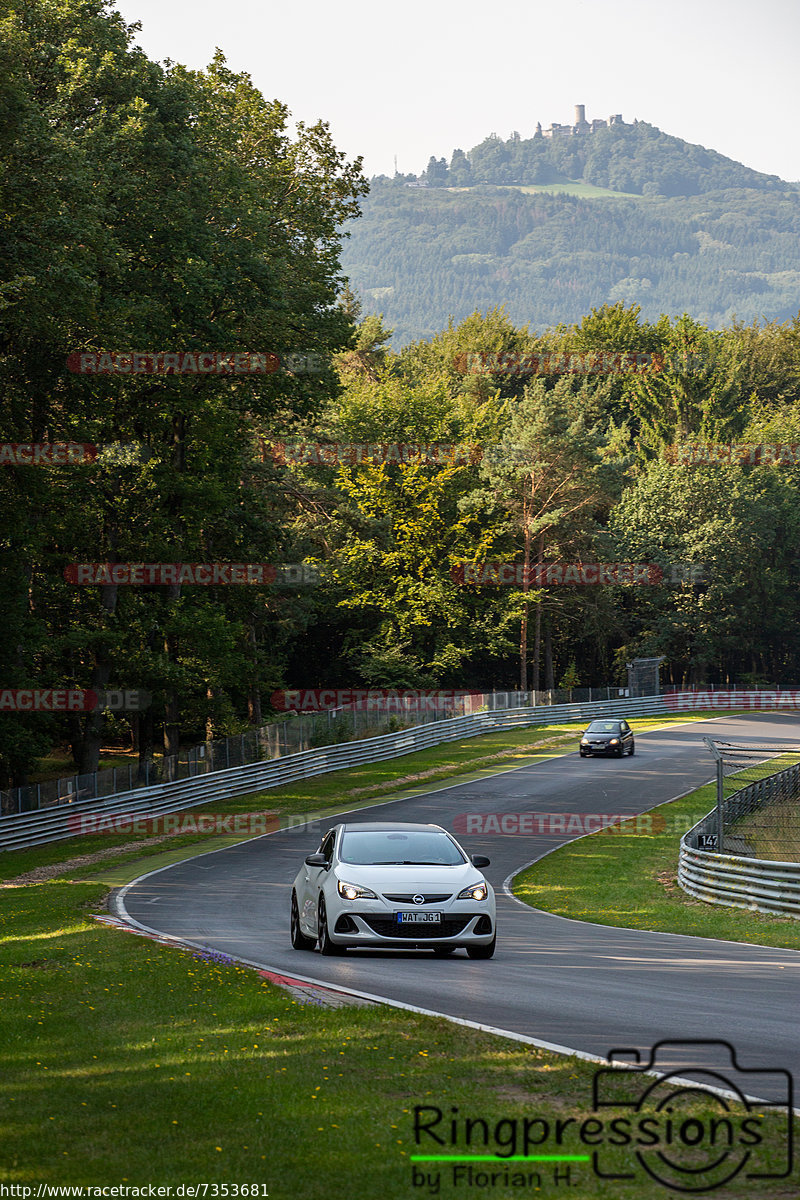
(636, 158)
(633, 214)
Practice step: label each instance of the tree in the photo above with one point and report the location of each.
(552, 475)
(697, 393)
(178, 214)
(460, 172)
(435, 174)
(367, 354)
(742, 524)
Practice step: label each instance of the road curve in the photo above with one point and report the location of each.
(588, 987)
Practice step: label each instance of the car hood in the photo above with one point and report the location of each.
(411, 878)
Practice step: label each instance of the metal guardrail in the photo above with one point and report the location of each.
(38, 828)
(57, 824)
(739, 881)
(768, 887)
(305, 730)
(294, 732)
(375, 713)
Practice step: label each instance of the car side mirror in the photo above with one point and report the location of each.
(316, 860)
(480, 860)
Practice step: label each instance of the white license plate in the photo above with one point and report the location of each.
(419, 918)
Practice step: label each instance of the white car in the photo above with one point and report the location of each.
(392, 884)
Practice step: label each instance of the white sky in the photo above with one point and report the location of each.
(424, 76)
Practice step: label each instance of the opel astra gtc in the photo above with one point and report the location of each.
(392, 885)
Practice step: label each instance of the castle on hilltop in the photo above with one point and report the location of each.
(581, 124)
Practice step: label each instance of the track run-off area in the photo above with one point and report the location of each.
(561, 983)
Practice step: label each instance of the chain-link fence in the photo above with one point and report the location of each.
(289, 735)
(758, 802)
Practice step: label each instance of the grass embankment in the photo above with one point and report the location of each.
(129, 1063)
(353, 788)
(58, 764)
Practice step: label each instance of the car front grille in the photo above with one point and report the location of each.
(427, 897)
(386, 927)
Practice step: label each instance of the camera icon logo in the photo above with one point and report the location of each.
(664, 1134)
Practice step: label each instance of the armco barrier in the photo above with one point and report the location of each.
(51, 825)
(738, 881)
(768, 887)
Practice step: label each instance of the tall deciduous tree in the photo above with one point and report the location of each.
(552, 476)
(698, 392)
(150, 208)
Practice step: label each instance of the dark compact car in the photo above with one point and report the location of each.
(607, 737)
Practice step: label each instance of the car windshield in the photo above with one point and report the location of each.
(603, 727)
(394, 847)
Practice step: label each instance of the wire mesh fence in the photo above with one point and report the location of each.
(289, 735)
(758, 802)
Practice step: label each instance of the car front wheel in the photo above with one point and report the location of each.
(482, 951)
(633, 748)
(326, 946)
(299, 939)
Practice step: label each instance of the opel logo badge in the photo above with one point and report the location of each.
(418, 899)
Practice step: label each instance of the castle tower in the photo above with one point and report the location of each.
(581, 124)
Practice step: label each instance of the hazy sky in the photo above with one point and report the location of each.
(424, 76)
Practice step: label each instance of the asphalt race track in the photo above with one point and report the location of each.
(587, 987)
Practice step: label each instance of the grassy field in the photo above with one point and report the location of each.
(574, 188)
(773, 831)
(130, 1063)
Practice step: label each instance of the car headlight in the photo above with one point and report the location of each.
(584, 741)
(614, 742)
(352, 891)
(475, 891)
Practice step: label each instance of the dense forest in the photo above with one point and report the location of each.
(155, 209)
(687, 230)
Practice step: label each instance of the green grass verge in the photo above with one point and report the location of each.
(127, 1063)
(356, 787)
(629, 878)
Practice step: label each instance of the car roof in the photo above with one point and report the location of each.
(396, 826)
